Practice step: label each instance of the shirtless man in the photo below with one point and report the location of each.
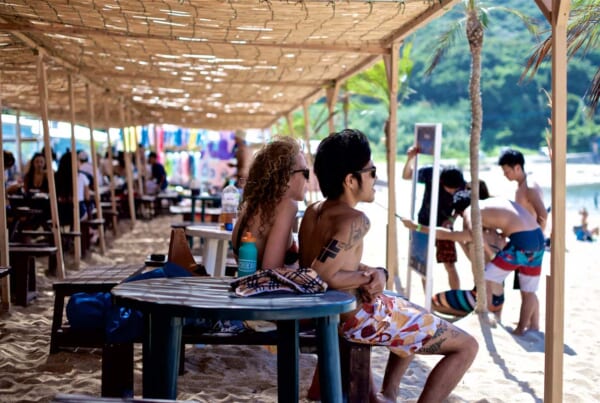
(524, 251)
(331, 242)
(528, 195)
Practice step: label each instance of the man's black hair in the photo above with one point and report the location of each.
(511, 158)
(152, 154)
(338, 155)
(461, 200)
(452, 177)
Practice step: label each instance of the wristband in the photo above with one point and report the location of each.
(419, 227)
(387, 274)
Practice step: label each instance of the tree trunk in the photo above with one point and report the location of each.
(475, 38)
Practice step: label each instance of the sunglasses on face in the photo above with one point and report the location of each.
(305, 172)
(372, 170)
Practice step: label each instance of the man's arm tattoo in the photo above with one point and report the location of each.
(358, 229)
(330, 250)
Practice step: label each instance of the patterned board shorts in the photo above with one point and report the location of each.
(393, 322)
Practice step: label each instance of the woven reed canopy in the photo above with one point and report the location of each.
(201, 63)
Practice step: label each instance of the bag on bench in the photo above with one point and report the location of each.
(95, 311)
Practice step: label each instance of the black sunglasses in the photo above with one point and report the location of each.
(305, 172)
(372, 170)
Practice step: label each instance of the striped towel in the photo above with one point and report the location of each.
(299, 281)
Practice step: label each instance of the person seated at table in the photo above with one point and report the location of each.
(276, 183)
(35, 178)
(331, 242)
(64, 191)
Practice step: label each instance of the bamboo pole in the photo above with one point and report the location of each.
(391, 65)
(4, 256)
(332, 96)
(111, 174)
(90, 107)
(43, 91)
(75, 177)
(308, 153)
(19, 156)
(141, 169)
(555, 300)
(128, 172)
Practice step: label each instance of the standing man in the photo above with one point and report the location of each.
(451, 180)
(158, 175)
(331, 242)
(529, 195)
(243, 158)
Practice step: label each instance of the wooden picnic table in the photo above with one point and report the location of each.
(165, 302)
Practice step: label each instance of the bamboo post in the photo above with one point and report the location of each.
(111, 174)
(332, 96)
(391, 65)
(4, 257)
(141, 174)
(43, 91)
(128, 172)
(75, 179)
(90, 107)
(308, 153)
(19, 156)
(555, 300)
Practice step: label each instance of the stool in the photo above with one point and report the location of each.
(23, 278)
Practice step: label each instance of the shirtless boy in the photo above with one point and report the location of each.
(528, 194)
(331, 242)
(524, 251)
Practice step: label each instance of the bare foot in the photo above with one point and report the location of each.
(519, 331)
(380, 398)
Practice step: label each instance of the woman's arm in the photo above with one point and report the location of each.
(278, 239)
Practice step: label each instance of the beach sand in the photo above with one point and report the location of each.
(507, 367)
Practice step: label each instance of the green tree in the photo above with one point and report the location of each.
(474, 20)
(583, 35)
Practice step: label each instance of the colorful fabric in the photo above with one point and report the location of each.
(300, 281)
(462, 302)
(393, 322)
(445, 251)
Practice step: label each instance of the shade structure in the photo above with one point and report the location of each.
(202, 63)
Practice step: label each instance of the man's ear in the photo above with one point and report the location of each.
(349, 181)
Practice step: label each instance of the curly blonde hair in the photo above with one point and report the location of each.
(268, 180)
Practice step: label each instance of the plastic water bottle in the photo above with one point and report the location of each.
(247, 256)
(230, 200)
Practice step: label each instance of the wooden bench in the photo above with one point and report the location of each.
(23, 276)
(86, 225)
(145, 206)
(355, 360)
(92, 280)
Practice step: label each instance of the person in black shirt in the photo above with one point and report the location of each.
(451, 181)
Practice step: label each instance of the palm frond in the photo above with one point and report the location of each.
(445, 41)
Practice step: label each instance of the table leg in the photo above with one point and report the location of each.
(221, 260)
(330, 376)
(161, 350)
(288, 351)
(209, 255)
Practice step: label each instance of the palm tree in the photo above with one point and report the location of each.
(474, 20)
(583, 34)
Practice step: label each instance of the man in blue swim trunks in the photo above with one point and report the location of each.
(524, 251)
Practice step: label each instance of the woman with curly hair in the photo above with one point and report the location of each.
(276, 183)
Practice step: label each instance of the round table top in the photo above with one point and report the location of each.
(208, 231)
(212, 297)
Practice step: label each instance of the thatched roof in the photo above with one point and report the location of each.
(200, 63)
